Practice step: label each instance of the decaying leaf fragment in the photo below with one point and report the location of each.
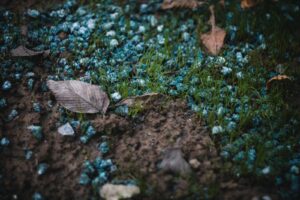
(214, 39)
(22, 51)
(277, 78)
(144, 99)
(248, 3)
(78, 96)
(191, 4)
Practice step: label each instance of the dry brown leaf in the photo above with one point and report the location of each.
(191, 4)
(22, 51)
(213, 40)
(78, 96)
(146, 98)
(248, 3)
(277, 78)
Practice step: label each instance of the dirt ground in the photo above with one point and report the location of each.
(137, 147)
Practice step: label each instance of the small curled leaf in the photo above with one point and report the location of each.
(277, 78)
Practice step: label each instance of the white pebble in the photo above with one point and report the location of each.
(116, 96)
(111, 33)
(160, 28)
(217, 129)
(114, 43)
(226, 70)
(66, 130)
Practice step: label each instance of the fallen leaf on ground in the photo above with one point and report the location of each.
(116, 192)
(78, 96)
(173, 161)
(248, 3)
(145, 99)
(191, 4)
(214, 39)
(277, 78)
(22, 51)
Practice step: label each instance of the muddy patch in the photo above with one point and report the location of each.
(167, 126)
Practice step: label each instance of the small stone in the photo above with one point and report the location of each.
(30, 83)
(266, 197)
(6, 86)
(28, 154)
(173, 161)
(103, 147)
(90, 131)
(66, 130)
(217, 129)
(294, 169)
(153, 20)
(37, 196)
(84, 179)
(194, 163)
(160, 39)
(91, 24)
(111, 34)
(144, 8)
(116, 192)
(114, 16)
(36, 131)
(13, 114)
(113, 43)
(239, 75)
(84, 139)
(36, 107)
(33, 13)
(42, 168)
(122, 110)
(221, 111)
(4, 142)
(3, 103)
(226, 70)
(186, 36)
(266, 170)
(160, 28)
(231, 126)
(116, 96)
(142, 29)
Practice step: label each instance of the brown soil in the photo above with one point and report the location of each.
(137, 147)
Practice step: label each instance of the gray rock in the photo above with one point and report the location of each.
(116, 192)
(194, 163)
(173, 161)
(66, 130)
